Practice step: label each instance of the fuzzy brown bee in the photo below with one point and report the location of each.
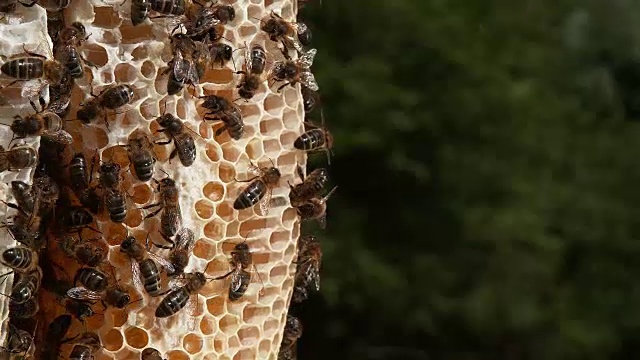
(111, 98)
(292, 332)
(259, 189)
(114, 296)
(203, 21)
(220, 53)
(89, 253)
(67, 52)
(296, 71)
(317, 138)
(227, 112)
(241, 259)
(44, 120)
(185, 147)
(144, 269)
(310, 187)
(181, 250)
(169, 204)
(308, 272)
(178, 298)
(255, 61)
(282, 31)
(17, 158)
(140, 152)
(315, 209)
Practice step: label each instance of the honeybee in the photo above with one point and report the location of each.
(143, 268)
(33, 66)
(169, 7)
(227, 112)
(26, 286)
(169, 204)
(180, 250)
(114, 296)
(317, 138)
(241, 259)
(310, 187)
(178, 298)
(84, 346)
(60, 96)
(79, 180)
(205, 19)
(20, 259)
(67, 51)
(294, 71)
(110, 98)
(292, 332)
(254, 64)
(220, 53)
(259, 189)
(54, 336)
(54, 5)
(283, 31)
(315, 208)
(26, 310)
(25, 198)
(181, 71)
(55, 24)
(310, 98)
(75, 218)
(44, 120)
(140, 152)
(308, 272)
(113, 196)
(78, 309)
(139, 11)
(91, 278)
(185, 147)
(17, 158)
(18, 341)
(150, 354)
(304, 34)
(54, 154)
(87, 253)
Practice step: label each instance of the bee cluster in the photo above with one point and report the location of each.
(80, 208)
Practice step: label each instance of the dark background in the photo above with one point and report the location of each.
(487, 157)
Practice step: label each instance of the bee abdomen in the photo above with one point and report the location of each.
(144, 169)
(92, 279)
(24, 68)
(115, 203)
(251, 195)
(310, 140)
(117, 96)
(73, 64)
(245, 279)
(150, 277)
(18, 258)
(171, 304)
(169, 7)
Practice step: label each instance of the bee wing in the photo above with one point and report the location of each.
(163, 262)
(185, 239)
(306, 60)
(254, 170)
(313, 276)
(307, 79)
(135, 275)
(247, 59)
(181, 67)
(265, 202)
(176, 283)
(81, 293)
(236, 281)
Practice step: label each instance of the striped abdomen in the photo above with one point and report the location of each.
(19, 258)
(72, 62)
(173, 302)
(114, 97)
(92, 279)
(169, 7)
(115, 203)
(27, 287)
(239, 286)
(150, 276)
(310, 140)
(250, 195)
(25, 68)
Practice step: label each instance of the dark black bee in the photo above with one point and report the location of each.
(291, 334)
(144, 269)
(185, 147)
(25, 198)
(113, 196)
(296, 71)
(308, 271)
(18, 341)
(205, 19)
(182, 71)
(79, 309)
(177, 299)
(26, 286)
(259, 189)
(89, 253)
(227, 112)
(67, 50)
(310, 187)
(80, 179)
(114, 296)
(150, 354)
(310, 98)
(20, 259)
(74, 218)
(44, 120)
(220, 53)
(284, 32)
(91, 278)
(181, 250)
(241, 259)
(84, 346)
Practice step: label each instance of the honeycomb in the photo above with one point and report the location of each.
(215, 328)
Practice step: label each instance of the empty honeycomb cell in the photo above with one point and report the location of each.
(287, 139)
(269, 295)
(273, 104)
(204, 209)
(214, 230)
(95, 54)
(117, 154)
(289, 216)
(136, 34)
(117, 317)
(216, 305)
(107, 77)
(230, 152)
(160, 82)
(279, 240)
(290, 251)
(270, 327)
(264, 348)
(278, 306)
(277, 274)
(252, 225)
(116, 233)
(233, 343)
(271, 127)
(218, 345)
(251, 113)
(136, 337)
(288, 158)
(95, 321)
(255, 11)
(126, 73)
(204, 249)
(229, 324)
(177, 355)
(225, 211)
(192, 343)
(247, 30)
(139, 53)
(272, 147)
(106, 17)
(245, 354)
(254, 149)
(255, 314)
(213, 152)
(113, 340)
(289, 94)
(218, 76)
(204, 130)
(213, 191)
(148, 69)
(290, 120)
(181, 109)
(208, 325)
(134, 217)
(141, 193)
(97, 135)
(226, 172)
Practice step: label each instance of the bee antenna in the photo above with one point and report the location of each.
(272, 163)
(166, 173)
(259, 278)
(326, 197)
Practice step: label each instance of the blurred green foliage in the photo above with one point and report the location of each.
(487, 157)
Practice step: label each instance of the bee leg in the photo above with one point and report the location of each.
(300, 173)
(153, 213)
(163, 142)
(219, 131)
(150, 206)
(173, 154)
(11, 83)
(282, 86)
(28, 4)
(24, 47)
(14, 206)
(224, 276)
